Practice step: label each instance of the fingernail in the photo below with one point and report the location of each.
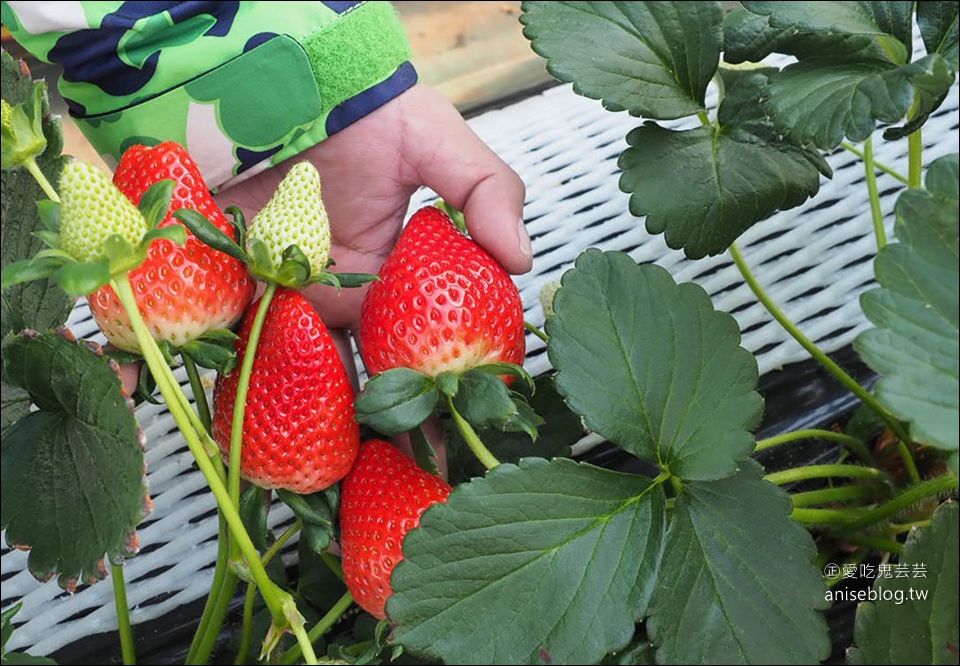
(525, 246)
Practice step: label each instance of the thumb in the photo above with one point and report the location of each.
(452, 160)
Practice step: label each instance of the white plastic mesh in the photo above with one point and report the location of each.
(815, 260)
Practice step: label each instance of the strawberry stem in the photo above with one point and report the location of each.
(536, 331)
(322, 627)
(243, 386)
(31, 166)
(247, 635)
(224, 578)
(199, 393)
(472, 438)
(812, 349)
(276, 599)
(824, 471)
(123, 615)
(851, 443)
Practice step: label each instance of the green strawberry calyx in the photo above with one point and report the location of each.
(21, 129)
(94, 233)
(288, 242)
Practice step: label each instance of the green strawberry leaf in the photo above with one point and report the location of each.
(545, 558)
(155, 203)
(14, 405)
(840, 30)
(939, 29)
(652, 367)
(931, 89)
(397, 400)
(914, 346)
(39, 305)
(916, 619)
(253, 512)
(91, 494)
(858, 93)
(641, 652)
(734, 174)
(653, 59)
(749, 37)
(738, 584)
(6, 631)
(207, 232)
(560, 430)
(483, 399)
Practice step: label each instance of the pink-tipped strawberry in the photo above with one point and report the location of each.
(299, 430)
(381, 500)
(92, 210)
(183, 291)
(441, 304)
(294, 216)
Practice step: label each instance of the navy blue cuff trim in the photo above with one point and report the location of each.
(351, 110)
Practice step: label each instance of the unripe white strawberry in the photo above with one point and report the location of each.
(295, 215)
(91, 210)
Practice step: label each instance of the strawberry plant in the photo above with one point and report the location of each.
(531, 556)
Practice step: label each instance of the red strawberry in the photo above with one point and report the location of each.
(299, 432)
(441, 304)
(381, 499)
(183, 292)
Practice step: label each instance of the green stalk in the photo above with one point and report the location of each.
(220, 572)
(877, 543)
(31, 166)
(908, 462)
(853, 520)
(123, 615)
(536, 331)
(812, 349)
(900, 528)
(246, 639)
(247, 636)
(880, 165)
(932, 488)
(218, 611)
(322, 627)
(473, 440)
(824, 471)
(830, 495)
(851, 443)
(279, 602)
(333, 564)
(199, 393)
(243, 385)
(915, 172)
(874, 192)
(821, 516)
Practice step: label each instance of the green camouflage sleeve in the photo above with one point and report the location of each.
(243, 85)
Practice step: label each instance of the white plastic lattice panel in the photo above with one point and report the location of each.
(815, 261)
